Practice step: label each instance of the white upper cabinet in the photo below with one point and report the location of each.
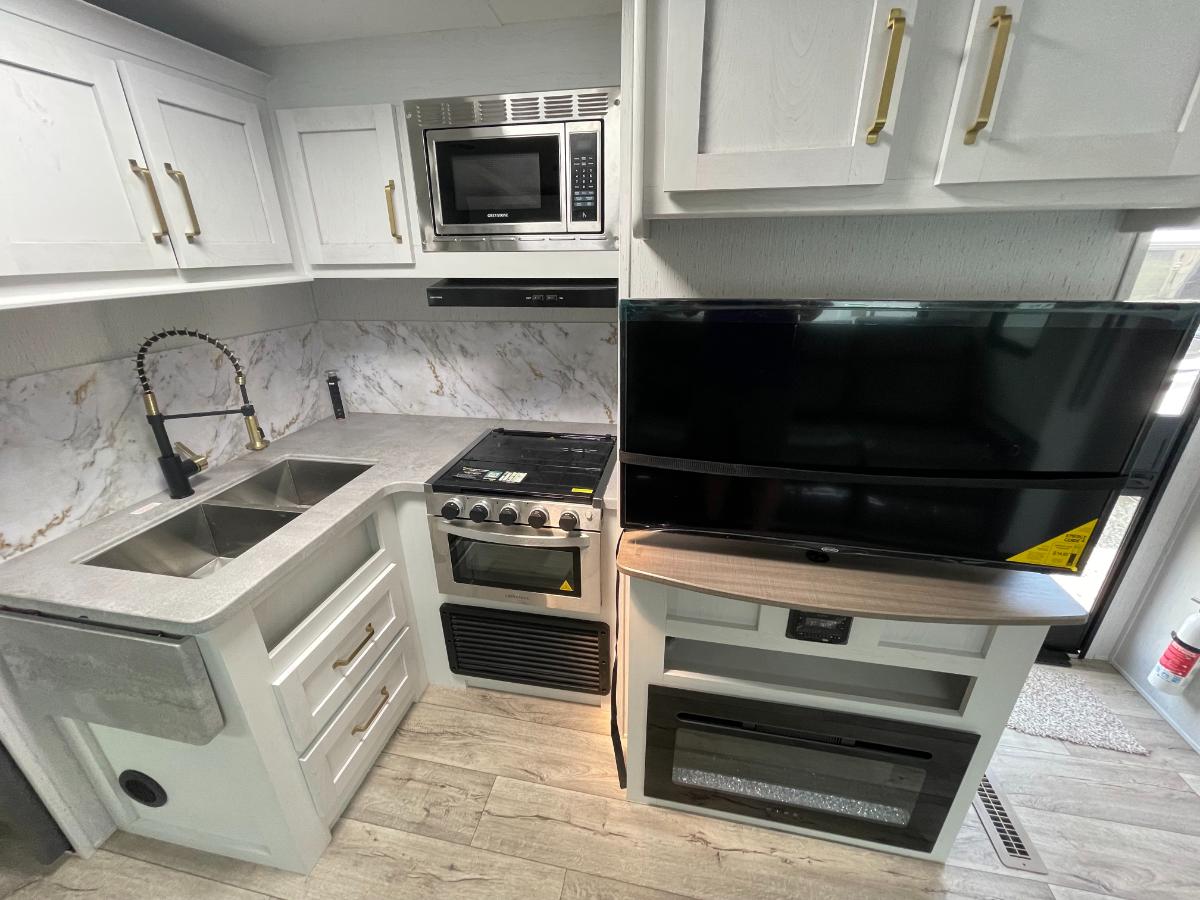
(1076, 89)
(74, 196)
(344, 168)
(208, 156)
(777, 107)
(781, 93)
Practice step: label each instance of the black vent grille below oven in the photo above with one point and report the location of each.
(527, 648)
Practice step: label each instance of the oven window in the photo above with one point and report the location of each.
(541, 570)
(494, 181)
(786, 775)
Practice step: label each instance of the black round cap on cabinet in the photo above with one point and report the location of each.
(568, 521)
(142, 788)
(479, 512)
(538, 517)
(508, 515)
(451, 509)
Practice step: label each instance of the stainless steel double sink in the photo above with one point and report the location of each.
(203, 538)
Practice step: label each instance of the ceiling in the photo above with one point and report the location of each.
(238, 28)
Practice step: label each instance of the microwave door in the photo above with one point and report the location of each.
(498, 179)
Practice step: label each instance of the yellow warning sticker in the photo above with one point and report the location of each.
(1062, 552)
(565, 586)
(581, 490)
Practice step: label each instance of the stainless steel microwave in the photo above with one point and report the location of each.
(516, 171)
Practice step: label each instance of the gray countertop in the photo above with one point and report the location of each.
(405, 450)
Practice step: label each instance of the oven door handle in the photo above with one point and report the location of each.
(513, 540)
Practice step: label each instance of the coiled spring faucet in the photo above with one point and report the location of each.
(178, 462)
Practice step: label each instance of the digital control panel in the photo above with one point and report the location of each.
(819, 628)
(584, 179)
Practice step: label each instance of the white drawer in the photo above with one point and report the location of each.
(341, 757)
(323, 674)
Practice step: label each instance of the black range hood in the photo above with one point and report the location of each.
(592, 293)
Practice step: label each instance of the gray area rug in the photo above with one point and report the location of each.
(1055, 704)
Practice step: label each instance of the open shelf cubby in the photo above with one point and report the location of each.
(853, 679)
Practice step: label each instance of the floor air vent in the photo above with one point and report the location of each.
(1006, 833)
(527, 648)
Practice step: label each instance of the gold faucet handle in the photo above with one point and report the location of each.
(200, 459)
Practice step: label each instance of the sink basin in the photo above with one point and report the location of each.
(292, 483)
(197, 542)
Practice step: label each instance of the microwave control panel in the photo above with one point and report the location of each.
(584, 176)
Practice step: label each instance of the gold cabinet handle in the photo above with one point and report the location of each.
(1002, 22)
(359, 729)
(895, 25)
(143, 173)
(389, 196)
(346, 660)
(187, 198)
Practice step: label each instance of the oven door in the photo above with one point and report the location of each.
(859, 776)
(517, 564)
(498, 179)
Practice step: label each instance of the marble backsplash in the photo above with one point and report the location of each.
(513, 370)
(74, 444)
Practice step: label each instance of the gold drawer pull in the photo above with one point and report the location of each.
(187, 199)
(346, 660)
(359, 729)
(895, 25)
(144, 173)
(389, 196)
(1002, 22)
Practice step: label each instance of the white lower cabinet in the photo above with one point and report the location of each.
(312, 688)
(311, 682)
(341, 757)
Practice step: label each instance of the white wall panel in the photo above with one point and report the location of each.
(998, 256)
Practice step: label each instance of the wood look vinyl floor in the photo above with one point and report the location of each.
(487, 795)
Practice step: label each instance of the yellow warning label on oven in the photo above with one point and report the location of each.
(581, 490)
(565, 586)
(1062, 552)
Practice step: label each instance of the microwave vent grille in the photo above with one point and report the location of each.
(559, 106)
(492, 111)
(498, 110)
(525, 108)
(594, 104)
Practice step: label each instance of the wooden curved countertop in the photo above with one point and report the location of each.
(871, 587)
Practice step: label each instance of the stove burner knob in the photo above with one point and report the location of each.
(568, 521)
(538, 517)
(451, 509)
(508, 515)
(480, 512)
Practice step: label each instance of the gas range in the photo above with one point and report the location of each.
(514, 524)
(526, 479)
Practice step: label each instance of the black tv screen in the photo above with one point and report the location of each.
(973, 431)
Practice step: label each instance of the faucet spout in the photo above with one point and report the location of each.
(178, 469)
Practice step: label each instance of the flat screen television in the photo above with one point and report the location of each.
(986, 432)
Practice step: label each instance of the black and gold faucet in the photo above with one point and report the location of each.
(180, 463)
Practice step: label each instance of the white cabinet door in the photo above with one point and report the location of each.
(344, 167)
(781, 93)
(71, 196)
(1072, 89)
(207, 151)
